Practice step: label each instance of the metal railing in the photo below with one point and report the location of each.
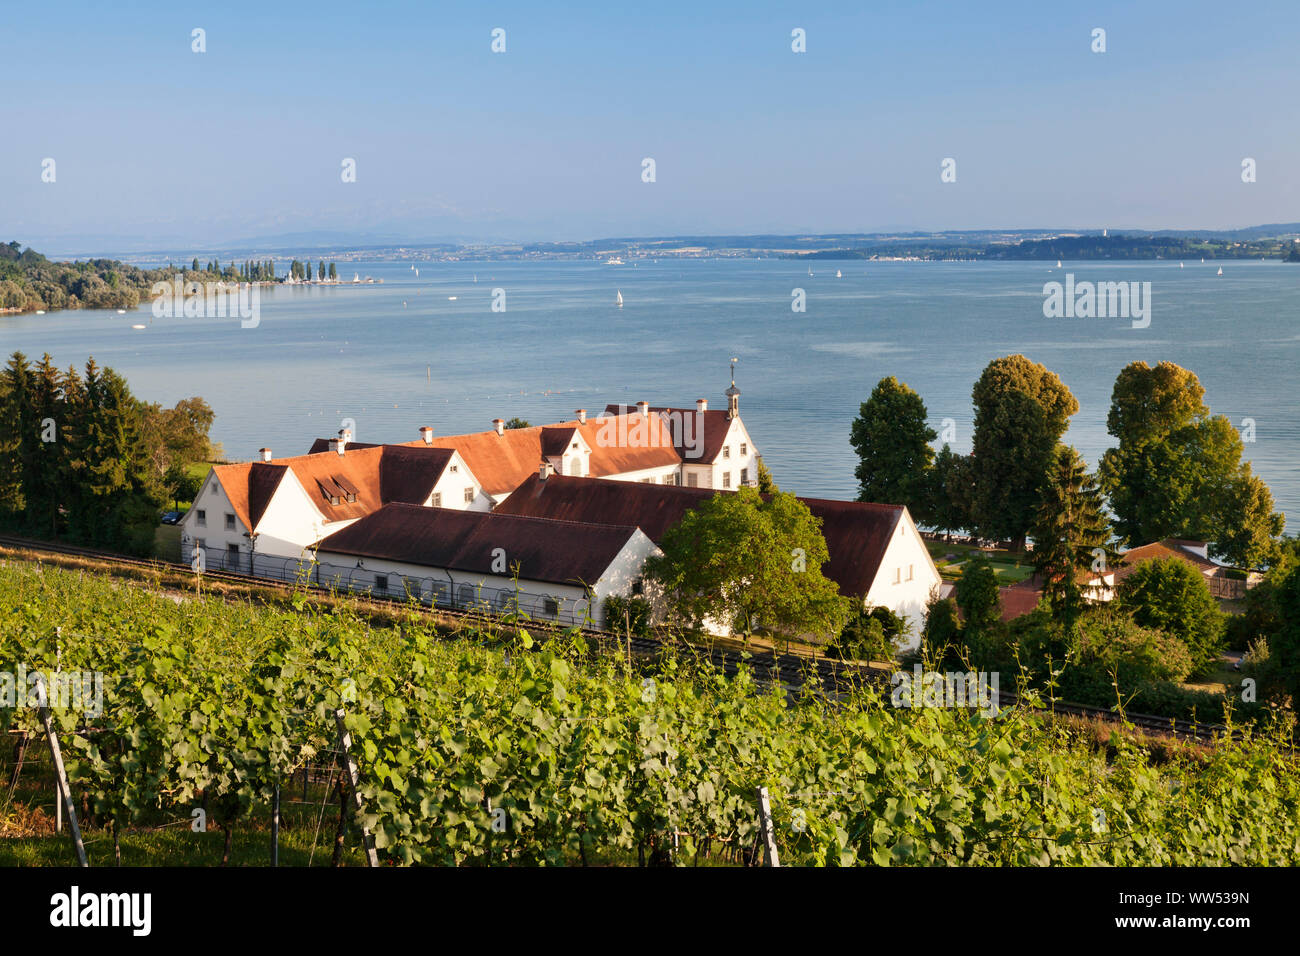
(458, 594)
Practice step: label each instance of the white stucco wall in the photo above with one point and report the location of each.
(906, 578)
(451, 486)
(340, 570)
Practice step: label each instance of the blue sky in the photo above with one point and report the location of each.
(156, 143)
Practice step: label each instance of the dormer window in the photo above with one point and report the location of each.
(726, 451)
(744, 449)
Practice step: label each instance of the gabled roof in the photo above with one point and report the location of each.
(501, 462)
(371, 476)
(557, 552)
(1165, 548)
(700, 449)
(652, 508)
(857, 533)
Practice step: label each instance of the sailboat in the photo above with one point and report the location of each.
(838, 274)
(1058, 263)
(1180, 265)
(810, 272)
(1220, 270)
(476, 278)
(619, 300)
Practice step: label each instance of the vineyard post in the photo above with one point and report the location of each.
(275, 826)
(765, 824)
(60, 774)
(345, 740)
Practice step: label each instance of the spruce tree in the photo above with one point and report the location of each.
(1071, 535)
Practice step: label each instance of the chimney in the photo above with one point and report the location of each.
(701, 404)
(427, 434)
(340, 443)
(265, 453)
(582, 416)
(500, 425)
(545, 470)
(643, 408)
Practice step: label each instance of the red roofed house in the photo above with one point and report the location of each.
(277, 508)
(876, 551)
(553, 570)
(696, 448)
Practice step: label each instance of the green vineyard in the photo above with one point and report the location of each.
(486, 747)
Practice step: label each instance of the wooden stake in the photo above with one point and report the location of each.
(60, 774)
(275, 826)
(353, 777)
(765, 824)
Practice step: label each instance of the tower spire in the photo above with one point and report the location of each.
(733, 393)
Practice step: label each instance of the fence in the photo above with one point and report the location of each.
(434, 591)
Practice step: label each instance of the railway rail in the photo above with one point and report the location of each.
(789, 671)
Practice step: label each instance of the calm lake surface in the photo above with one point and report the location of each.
(396, 356)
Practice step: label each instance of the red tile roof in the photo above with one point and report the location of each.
(501, 462)
(857, 533)
(378, 473)
(701, 449)
(1017, 601)
(557, 552)
(1165, 548)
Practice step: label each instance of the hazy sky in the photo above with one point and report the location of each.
(155, 142)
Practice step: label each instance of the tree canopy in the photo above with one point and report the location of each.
(1021, 411)
(749, 563)
(1177, 471)
(1070, 533)
(892, 440)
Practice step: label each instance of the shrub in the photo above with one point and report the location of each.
(869, 635)
(1172, 596)
(627, 614)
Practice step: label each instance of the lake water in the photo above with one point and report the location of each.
(396, 356)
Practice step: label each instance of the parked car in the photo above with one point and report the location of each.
(171, 517)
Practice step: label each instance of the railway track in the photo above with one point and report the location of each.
(788, 671)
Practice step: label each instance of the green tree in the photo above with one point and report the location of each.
(951, 490)
(1177, 470)
(334, 274)
(870, 635)
(977, 594)
(1021, 411)
(195, 264)
(1171, 596)
(1071, 533)
(1284, 643)
(766, 485)
(747, 562)
(19, 438)
(518, 423)
(891, 438)
(113, 485)
(941, 637)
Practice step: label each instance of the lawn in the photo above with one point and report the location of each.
(1010, 567)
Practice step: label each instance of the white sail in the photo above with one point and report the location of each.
(1058, 263)
(619, 300)
(1220, 270)
(838, 274)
